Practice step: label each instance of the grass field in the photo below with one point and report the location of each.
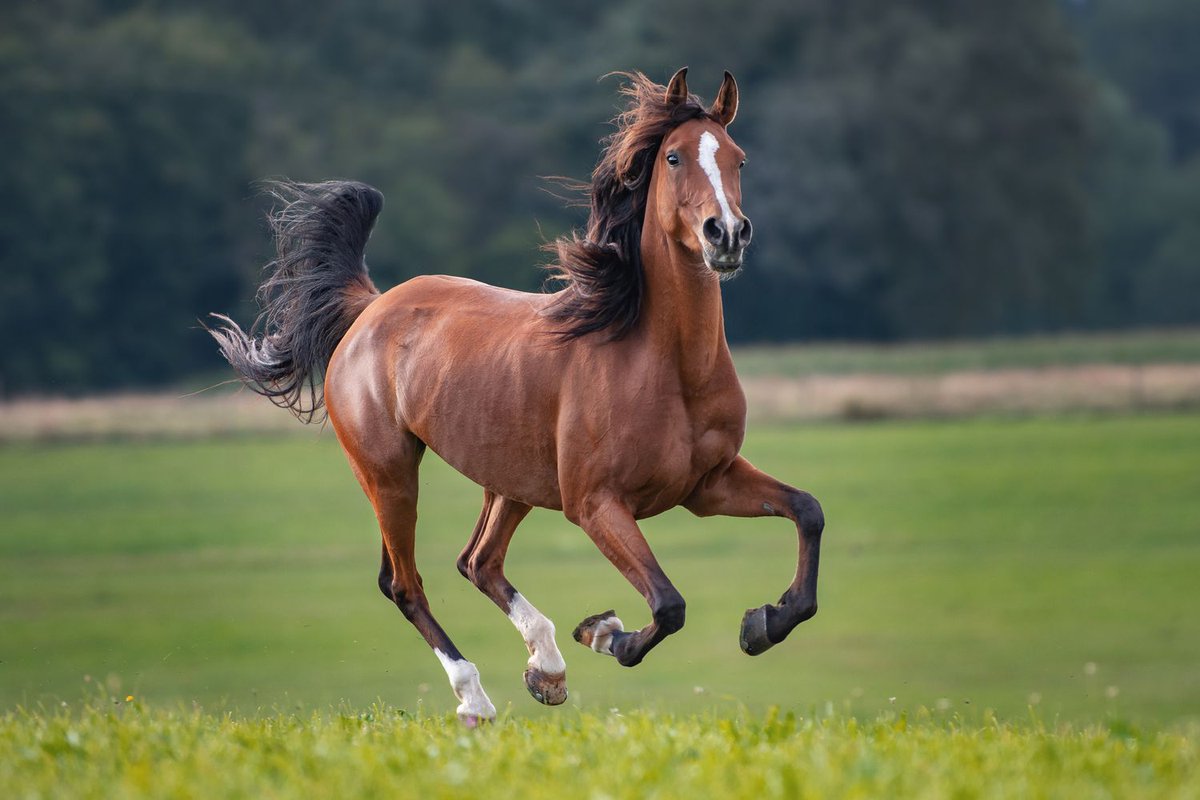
(127, 751)
(1043, 566)
(1127, 348)
(979, 563)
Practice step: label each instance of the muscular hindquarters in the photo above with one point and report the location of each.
(462, 366)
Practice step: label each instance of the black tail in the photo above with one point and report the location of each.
(316, 287)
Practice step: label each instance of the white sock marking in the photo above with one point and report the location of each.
(603, 635)
(708, 162)
(464, 680)
(538, 632)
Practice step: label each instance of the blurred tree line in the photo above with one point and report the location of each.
(925, 168)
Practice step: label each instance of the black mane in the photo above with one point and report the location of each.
(602, 268)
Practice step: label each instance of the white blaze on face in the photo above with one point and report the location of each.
(464, 680)
(538, 633)
(708, 162)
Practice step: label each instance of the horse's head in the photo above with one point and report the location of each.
(669, 168)
(698, 189)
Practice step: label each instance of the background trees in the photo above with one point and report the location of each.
(917, 169)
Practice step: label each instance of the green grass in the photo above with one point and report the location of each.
(128, 751)
(967, 565)
(1125, 347)
(1008, 609)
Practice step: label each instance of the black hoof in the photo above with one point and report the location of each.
(754, 639)
(550, 690)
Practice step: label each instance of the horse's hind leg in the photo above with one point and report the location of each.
(482, 563)
(393, 493)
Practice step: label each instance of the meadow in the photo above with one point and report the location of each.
(1123, 348)
(1012, 588)
(129, 751)
(989, 563)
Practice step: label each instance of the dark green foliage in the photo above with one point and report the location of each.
(917, 169)
(925, 173)
(119, 220)
(1145, 168)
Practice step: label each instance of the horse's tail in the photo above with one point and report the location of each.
(315, 288)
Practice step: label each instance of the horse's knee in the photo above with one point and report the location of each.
(808, 513)
(669, 614)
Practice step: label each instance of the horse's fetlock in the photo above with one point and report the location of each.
(797, 609)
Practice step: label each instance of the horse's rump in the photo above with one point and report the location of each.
(471, 370)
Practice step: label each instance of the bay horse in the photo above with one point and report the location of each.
(612, 400)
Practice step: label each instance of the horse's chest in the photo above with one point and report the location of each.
(651, 443)
(676, 459)
(712, 447)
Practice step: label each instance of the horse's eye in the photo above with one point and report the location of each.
(742, 164)
(673, 159)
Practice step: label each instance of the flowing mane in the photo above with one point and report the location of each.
(602, 268)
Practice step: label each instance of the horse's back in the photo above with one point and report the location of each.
(452, 294)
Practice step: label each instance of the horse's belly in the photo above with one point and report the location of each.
(494, 436)
(508, 468)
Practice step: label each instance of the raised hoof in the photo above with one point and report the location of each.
(585, 630)
(754, 639)
(599, 631)
(550, 690)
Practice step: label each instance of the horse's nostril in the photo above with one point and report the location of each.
(714, 231)
(745, 232)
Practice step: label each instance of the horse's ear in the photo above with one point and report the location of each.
(677, 90)
(724, 108)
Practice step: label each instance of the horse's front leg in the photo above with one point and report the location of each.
(743, 491)
(615, 532)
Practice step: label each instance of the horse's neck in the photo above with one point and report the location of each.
(681, 310)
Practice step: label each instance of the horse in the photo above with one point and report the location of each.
(611, 400)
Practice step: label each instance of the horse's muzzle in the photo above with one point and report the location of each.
(723, 247)
(724, 263)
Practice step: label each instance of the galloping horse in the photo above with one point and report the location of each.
(611, 400)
